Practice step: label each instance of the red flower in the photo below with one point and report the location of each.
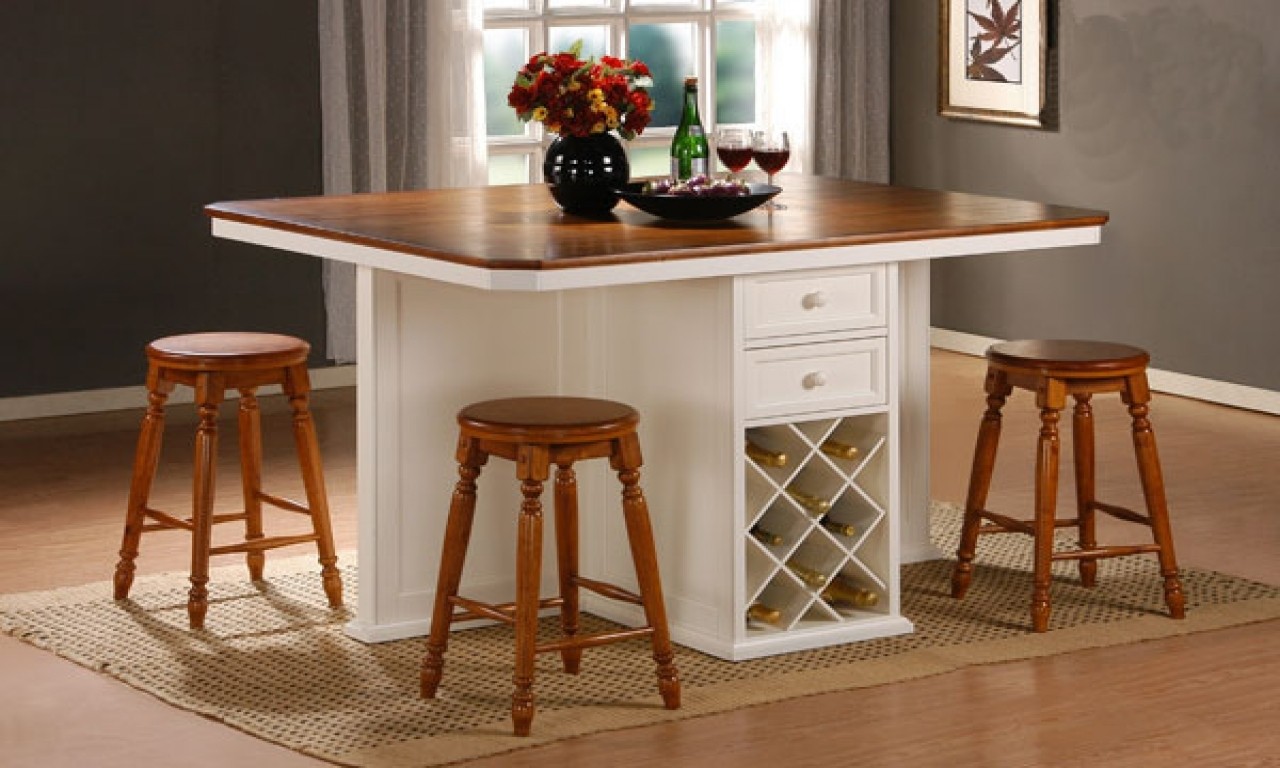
(579, 97)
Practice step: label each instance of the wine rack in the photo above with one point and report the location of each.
(816, 518)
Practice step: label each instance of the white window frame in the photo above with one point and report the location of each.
(538, 18)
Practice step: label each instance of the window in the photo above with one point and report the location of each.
(712, 39)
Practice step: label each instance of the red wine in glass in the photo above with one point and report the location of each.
(735, 158)
(771, 150)
(733, 147)
(771, 160)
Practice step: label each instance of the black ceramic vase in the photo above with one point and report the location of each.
(584, 174)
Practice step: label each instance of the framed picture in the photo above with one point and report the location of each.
(995, 61)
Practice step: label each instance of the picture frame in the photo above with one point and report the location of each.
(997, 62)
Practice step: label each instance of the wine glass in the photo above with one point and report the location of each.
(771, 150)
(733, 147)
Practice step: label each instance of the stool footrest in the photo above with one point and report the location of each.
(504, 612)
(166, 521)
(258, 545)
(1122, 513)
(279, 502)
(611, 591)
(1004, 524)
(1103, 552)
(591, 641)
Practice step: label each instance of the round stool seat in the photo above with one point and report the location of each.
(1052, 357)
(550, 419)
(222, 351)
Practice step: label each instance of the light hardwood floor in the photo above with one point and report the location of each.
(1202, 700)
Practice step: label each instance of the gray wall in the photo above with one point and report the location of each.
(1170, 120)
(120, 121)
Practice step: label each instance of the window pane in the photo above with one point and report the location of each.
(577, 3)
(736, 72)
(649, 161)
(506, 5)
(508, 169)
(670, 51)
(505, 51)
(595, 40)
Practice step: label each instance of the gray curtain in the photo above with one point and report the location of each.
(851, 131)
(403, 108)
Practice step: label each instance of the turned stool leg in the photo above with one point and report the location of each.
(1137, 396)
(457, 536)
(296, 386)
(626, 460)
(1082, 443)
(1051, 401)
(984, 460)
(209, 391)
(566, 511)
(532, 468)
(144, 472)
(250, 424)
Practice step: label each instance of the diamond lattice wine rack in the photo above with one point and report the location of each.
(817, 530)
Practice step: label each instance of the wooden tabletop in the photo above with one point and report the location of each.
(520, 228)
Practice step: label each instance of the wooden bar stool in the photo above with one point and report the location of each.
(212, 363)
(537, 433)
(1053, 370)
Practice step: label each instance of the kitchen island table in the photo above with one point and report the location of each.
(779, 361)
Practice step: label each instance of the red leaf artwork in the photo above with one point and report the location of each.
(995, 41)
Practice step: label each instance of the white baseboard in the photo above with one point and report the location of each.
(1169, 382)
(119, 398)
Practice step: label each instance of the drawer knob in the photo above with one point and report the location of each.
(815, 379)
(814, 300)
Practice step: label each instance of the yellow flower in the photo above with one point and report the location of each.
(575, 85)
(539, 113)
(596, 95)
(613, 122)
(597, 128)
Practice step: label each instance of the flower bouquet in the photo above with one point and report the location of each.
(576, 97)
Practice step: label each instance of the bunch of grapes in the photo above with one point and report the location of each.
(698, 186)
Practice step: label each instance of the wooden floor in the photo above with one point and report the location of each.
(1203, 700)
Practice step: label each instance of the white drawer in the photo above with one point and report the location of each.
(815, 377)
(814, 301)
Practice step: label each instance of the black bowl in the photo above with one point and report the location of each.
(694, 208)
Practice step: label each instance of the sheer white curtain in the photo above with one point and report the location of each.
(785, 35)
(402, 100)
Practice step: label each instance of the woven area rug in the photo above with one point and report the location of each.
(274, 662)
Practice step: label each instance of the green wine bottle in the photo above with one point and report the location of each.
(689, 154)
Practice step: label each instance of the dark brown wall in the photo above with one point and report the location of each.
(119, 121)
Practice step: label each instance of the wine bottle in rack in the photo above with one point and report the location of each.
(839, 450)
(815, 505)
(765, 457)
(763, 613)
(840, 529)
(806, 574)
(766, 536)
(841, 590)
